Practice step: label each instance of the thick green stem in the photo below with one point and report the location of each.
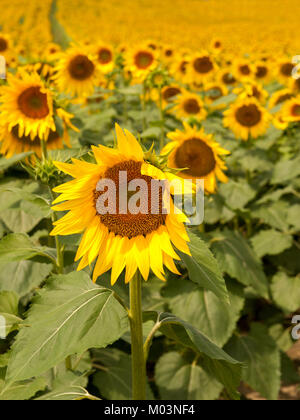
(137, 351)
(162, 118)
(44, 150)
(59, 248)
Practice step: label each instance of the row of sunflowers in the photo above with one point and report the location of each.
(214, 318)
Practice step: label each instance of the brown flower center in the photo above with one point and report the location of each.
(143, 59)
(168, 53)
(183, 66)
(245, 70)
(228, 79)
(296, 110)
(203, 65)
(217, 44)
(191, 106)
(261, 72)
(81, 67)
(248, 115)
(3, 45)
(197, 156)
(169, 93)
(283, 98)
(131, 225)
(286, 69)
(104, 55)
(33, 103)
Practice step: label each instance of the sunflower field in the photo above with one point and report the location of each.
(102, 105)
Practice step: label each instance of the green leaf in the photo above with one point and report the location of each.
(114, 379)
(286, 170)
(71, 393)
(286, 292)
(7, 163)
(273, 214)
(293, 216)
(237, 259)
(218, 363)
(22, 219)
(203, 269)
(202, 309)
(180, 378)
(69, 316)
(21, 391)
(262, 356)
(18, 247)
(237, 194)
(9, 310)
(23, 277)
(271, 242)
(151, 132)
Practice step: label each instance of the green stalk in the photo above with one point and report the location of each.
(162, 118)
(137, 351)
(59, 248)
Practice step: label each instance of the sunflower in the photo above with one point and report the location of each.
(216, 45)
(52, 51)
(226, 77)
(140, 61)
(189, 105)
(246, 117)
(284, 70)
(12, 143)
(105, 57)
(179, 68)
(278, 121)
(294, 85)
(262, 72)
(199, 153)
(168, 54)
(243, 70)
(5, 44)
(252, 90)
(291, 110)
(119, 239)
(279, 97)
(28, 104)
(169, 94)
(77, 72)
(202, 68)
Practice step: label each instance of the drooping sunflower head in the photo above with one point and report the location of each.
(197, 155)
(26, 102)
(169, 93)
(279, 97)
(246, 117)
(120, 229)
(77, 72)
(189, 105)
(140, 61)
(290, 111)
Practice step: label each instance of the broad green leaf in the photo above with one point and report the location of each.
(180, 378)
(64, 155)
(272, 214)
(152, 132)
(271, 242)
(202, 309)
(286, 170)
(23, 277)
(262, 357)
(9, 310)
(286, 292)
(203, 268)
(18, 247)
(293, 216)
(113, 380)
(237, 194)
(22, 219)
(282, 336)
(237, 259)
(6, 163)
(70, 393)
(214, 360)
(21, 391)
(68, 316)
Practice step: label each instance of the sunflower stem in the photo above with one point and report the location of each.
(162, 118)
(59, 248)
(44, 150)
(137, 351)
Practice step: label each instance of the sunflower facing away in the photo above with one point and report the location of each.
(118, 239)
(199, 153)
(77, 72)
(28, 104)
(246, 117)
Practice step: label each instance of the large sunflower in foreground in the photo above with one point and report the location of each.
(77, 72)
(119, 239)
(189, 105)
(247, 118)
(28, 104)
(197, 155)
